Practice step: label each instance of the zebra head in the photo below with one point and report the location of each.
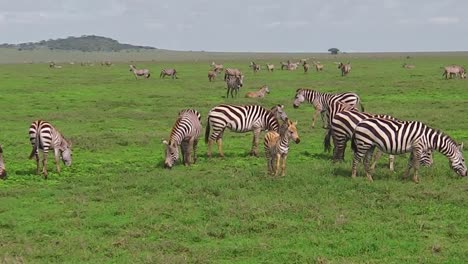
(172, 154)
(66, 153)
(457, 162)
(292, 131)
(299, 98)
(278, 111)
(267, 89)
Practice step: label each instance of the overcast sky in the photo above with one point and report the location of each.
(246, 25)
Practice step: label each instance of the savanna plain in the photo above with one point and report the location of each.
(117, 204)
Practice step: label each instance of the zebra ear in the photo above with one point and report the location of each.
(165, 142)
(295, 123)
(460, 147)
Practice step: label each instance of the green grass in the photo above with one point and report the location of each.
(117, 204)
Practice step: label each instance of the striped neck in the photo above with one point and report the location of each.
(441, 142)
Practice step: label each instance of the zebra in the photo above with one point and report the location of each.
(306, 66)
(398, 137)
(217, 67)
(231, 72)
(284, 64)
(234, 83)
(345, 68)
(241, 119)
(341, 130)
(212, 75)
(184, 133)
(168, 72)
(258, 94)
(44, 136)
(255, 67)
(141, 72)
(318, 66)
(3, 172)
(277, 146)
(270, 67)
(454, 70)
(321, 101)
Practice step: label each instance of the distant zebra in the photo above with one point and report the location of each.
(270, 67)
(277, 146)
(306, 66)
(255, 67)
(217, 67)
(241, 119)
(3, 172)
(168, 72)
(43, 136)
(454, 70)
(318, 66)
(231, 72)
(320, 101)
(341, 130)
(345, 68)
(284, 65)
(398, 137)
(260, 93)
(212, 75)
(234, 83)
(408, 66)
(184, 133)
(141, 72)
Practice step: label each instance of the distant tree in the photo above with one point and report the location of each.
(333, 50)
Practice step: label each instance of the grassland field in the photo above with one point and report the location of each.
(116, 204)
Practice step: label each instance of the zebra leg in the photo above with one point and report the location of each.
(184, 147)
(195, 144)
(44, 164)
(37, 163)
(415, 161)
(254, 151)
(283, 167)
(57, 159)
(356, 159)
(367, 161)
(314, 118)
(190, 151)
(219, 141)
(376, 158)
(210, 143)
(277, 165)
(227, 94)
(391, 163)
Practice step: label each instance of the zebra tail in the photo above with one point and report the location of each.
(149, 74)
(35, 146)
(353, 143)
(207, 131)
(326, 141)
(362, 107)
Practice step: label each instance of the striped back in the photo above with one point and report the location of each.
(397, 137)
(187, 125)
(239, 118)
(324, 100)
(44, 136)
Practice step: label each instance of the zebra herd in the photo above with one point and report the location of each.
(343, 122)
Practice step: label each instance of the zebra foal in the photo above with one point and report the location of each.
(234, 83)
(43, 137)
(398, 137)
(184, 133)
(277, 146)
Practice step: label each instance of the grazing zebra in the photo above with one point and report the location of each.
(234, 83)
(106, 63)
(454, 70)
(318, 66)
(168, 72)
(258, 94)
(341, 130)
(306, 66)
(398, 137)
(293, 66)
(141, 72)
(270, 67)
(277, 146)
(408, 66)
(345, 68)
(241, 119)
(3, 172)
(255, 67)
(184, 133)
(217, 67)
(284, 64)
(231, 72)
(44, 136)
(212, 75)
(321, 101)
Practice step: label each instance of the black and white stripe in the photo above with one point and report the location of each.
(397, 137)
(277, 146)
(184, 133)
(234, 83)
(323, 101)
(44, 137)
(241, 119)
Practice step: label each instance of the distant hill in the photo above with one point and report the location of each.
(83, 43)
